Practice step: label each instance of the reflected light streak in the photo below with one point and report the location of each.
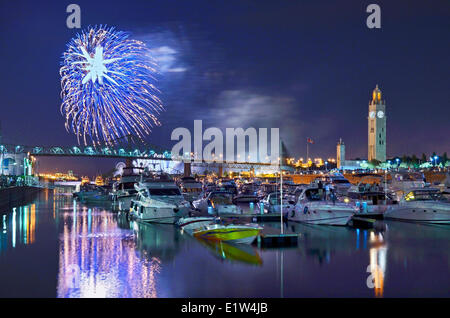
(96, 259)
(378, 255)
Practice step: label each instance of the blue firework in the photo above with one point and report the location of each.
(108, 86)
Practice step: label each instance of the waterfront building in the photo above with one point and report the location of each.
(377, 127)
(342, 162)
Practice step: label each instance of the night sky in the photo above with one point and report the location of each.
(308, 67)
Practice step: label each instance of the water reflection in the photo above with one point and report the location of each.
(241, 253)
(18, 227)
(377, 267)
(88, 251)
(157, 241)
(99, 259)
(322, 242)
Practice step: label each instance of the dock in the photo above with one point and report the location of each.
(362, 222)
(271, 237)
(277, 240)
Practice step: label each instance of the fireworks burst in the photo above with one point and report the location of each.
(107, 86)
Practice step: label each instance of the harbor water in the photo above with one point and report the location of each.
(58, 247)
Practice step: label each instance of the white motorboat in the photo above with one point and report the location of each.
(272, 204)
(401, 183)
(425, 205)
(336, 180)
(247, 193)
(159, 200)
(90, 193)
(189, 224)
(370, 196)
(216, 203)
(312, 208)
(124, 191)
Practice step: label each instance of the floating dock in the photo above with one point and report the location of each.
(272, 237)
(362, 222)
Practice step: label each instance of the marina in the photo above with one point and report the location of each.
(233, 156)
(82, 250)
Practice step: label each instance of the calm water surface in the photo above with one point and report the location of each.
(55, 247)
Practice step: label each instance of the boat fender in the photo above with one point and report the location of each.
(292, 213)
(305, 210)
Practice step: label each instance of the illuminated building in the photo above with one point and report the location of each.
(377, 127)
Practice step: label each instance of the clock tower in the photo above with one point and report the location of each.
(377, 127)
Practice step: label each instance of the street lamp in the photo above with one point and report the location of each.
(435, 160)
(398, 162)
(326, 165)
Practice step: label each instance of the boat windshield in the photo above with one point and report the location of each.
(424, 196)
(274, 199)
(164, 191)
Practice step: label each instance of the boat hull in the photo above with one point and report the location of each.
(322, 215)
(124, 202)
(191, 224)
(422, 213)
(159, 214)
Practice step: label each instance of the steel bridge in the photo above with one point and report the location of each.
(153, 153)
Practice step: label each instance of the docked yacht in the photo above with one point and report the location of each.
(216, 203)
(123, 190)
(425, 205)
(246, 193)
(227, 185)
(158, 200)
(313, 209)
(401, 183)
(337, 181)
(272, 204)
(92, 194)
(190, 188)
(370, 196)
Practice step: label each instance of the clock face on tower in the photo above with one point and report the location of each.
(380, 114)
(372, 114)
